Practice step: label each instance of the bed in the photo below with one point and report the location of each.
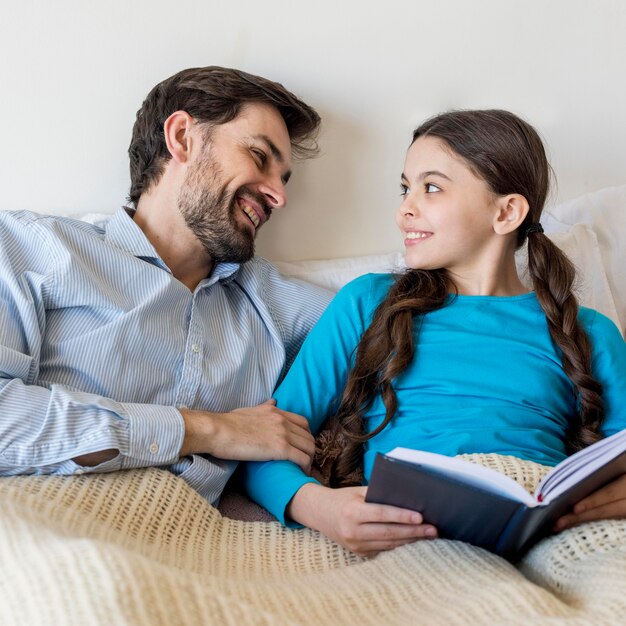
(140, 547)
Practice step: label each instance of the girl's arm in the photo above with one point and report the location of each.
(313, 388)
(362, 527)
(314, 384)
(609, 368)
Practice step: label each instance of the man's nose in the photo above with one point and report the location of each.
(274, 193)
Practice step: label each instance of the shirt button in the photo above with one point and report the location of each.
(154, 448)
(195, 347)
(79, 471)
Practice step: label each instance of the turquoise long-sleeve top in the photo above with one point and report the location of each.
(486, 377)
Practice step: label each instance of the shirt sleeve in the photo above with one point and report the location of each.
(43, 428)
(313, 388)
(609, 368)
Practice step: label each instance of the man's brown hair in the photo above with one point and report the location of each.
(212, 95)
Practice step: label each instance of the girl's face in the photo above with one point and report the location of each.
(447, 213)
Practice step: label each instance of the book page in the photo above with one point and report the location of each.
(469, 473)
(576, 467)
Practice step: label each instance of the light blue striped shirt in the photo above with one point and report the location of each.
(99, 344)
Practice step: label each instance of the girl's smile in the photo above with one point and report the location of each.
(450, 219)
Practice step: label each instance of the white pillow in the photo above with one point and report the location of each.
(605, 212)
(579, 243)
(335, 273)
(98, 219)
(592, 289)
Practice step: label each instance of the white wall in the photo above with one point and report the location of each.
(73, 74)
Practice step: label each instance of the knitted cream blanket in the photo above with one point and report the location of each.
(142, 548)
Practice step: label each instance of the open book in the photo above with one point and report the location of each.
(476, 504)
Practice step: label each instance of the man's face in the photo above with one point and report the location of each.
(236, 181)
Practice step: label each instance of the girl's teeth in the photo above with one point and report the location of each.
(413, 235)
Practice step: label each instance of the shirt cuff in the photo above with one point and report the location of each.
(155, 434)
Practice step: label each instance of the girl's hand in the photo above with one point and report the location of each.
(362, 527)
(609, 502)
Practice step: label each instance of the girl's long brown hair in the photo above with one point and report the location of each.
(509, 156)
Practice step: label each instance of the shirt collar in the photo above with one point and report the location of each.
(123, 232)
(223, 272)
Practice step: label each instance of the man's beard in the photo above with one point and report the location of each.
(209, 212)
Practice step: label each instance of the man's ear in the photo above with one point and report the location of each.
(177, 130)
(512, 211)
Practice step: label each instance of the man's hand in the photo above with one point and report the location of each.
(260, 433)
(362, 527)
(609, 502)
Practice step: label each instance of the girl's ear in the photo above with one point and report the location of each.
(512, 211)
(177, 130)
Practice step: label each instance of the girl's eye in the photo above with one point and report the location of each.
(430, 188)
(404, 190)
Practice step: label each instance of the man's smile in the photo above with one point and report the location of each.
(256, 213)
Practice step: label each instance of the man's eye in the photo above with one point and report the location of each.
(430, 188)
(260, 156)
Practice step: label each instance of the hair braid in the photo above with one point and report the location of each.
(553, 276)
(385, 351)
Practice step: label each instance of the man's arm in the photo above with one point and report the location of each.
(61, 430)
(258, 433)
(44, 427)
(54, 428)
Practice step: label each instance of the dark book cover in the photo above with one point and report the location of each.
(475, 515)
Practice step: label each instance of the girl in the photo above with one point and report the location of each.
(456, 355)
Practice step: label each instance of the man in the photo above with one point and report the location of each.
(137, 344)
